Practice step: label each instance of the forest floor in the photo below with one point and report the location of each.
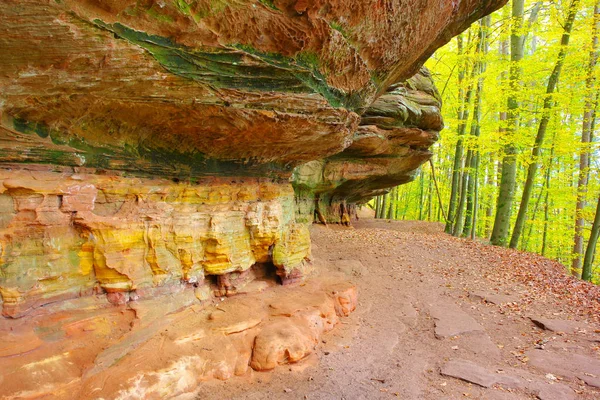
(441, 318)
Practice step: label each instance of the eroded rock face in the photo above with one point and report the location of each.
(164, 346)
(64, 234)
(391, 142)
(193, 90)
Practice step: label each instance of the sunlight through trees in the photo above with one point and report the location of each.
(518, 162)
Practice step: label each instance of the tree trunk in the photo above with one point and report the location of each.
(590, 251)
(509, 161)
(458, 226)
(584, 157)
(473, 227)
(489, 211)
(525, 244)
(429, 199)
(546, 205)
(421, 195)
(393, 203)
(458, 152)
(476, 128)
(440, 209)
(463, 187)
(466, 225)
(543, 126)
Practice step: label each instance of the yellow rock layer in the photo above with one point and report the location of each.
(62, 234)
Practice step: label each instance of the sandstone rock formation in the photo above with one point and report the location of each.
(65, 234)
(388, 146)
(155, 146)
(164, 346)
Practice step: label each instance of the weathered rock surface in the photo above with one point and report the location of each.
(77, 350)
(451, 321)
(65, 234)
(567, 364)
(493, 298)
(187, 89)
(391, 142)
(555, 325)
(473, 373)
(470, 372)
(179, 83)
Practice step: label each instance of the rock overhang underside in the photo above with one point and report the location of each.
(148, 143)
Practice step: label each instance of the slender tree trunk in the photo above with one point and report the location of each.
(489, 211)
(421, 195)
(543, 126)
(525, 244)
(473, 228)
(471, 178)
(545, 231)
(476, 128)
(429, 199)
(458, 226)
(393, 203)
(546, 202)
(406, 203)
(458, 152)
(381, 206)
(590, 251)
(502, 130)
(440, 210)
(384, 206)
(463, 186)
(504, 203)
(509, 161)
(584, 157)
(396, 205)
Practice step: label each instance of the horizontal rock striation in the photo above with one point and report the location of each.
(391, 142)
(326, 94)
(198, 87)
(64, 234)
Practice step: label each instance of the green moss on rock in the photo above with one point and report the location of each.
(227, 68)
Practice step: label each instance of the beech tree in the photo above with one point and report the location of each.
(584, 156)
(509, 161)
(543, 126)
(591, 247)
(520, 109)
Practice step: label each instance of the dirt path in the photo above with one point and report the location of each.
(438, 318)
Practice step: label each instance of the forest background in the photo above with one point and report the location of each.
(518, 162)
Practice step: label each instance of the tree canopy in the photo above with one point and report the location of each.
(519, 158)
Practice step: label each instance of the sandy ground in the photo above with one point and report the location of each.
(422, 314)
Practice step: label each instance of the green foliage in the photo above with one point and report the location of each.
(269, 4)
(559, 158)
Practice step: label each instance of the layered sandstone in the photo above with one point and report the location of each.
(167, 345)
(391, 142)
(188, 88)
(67, 234)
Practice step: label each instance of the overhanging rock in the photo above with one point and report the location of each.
(146, 143)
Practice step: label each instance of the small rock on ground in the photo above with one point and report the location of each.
(451, 321)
